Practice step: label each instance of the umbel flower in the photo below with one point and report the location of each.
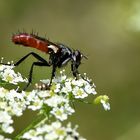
(53, 131)
(54, 104)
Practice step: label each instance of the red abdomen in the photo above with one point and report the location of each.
(30, 40)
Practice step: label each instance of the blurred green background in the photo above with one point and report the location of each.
(108, 32)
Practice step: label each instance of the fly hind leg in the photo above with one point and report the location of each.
(31, 72)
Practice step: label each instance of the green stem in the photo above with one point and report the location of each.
(40, 118)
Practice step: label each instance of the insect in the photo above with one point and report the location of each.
(59, 54)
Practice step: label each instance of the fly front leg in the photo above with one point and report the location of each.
(74, 70)
(53, 74)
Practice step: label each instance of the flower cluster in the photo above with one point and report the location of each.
(12, 103)
(56, 102)
(64, 90)
(7, 74)
(53, 131)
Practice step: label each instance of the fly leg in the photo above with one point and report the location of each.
(31, 71)
(42, 62)
(53, 74)
(26, 56)
(33, 54)
(75, 72)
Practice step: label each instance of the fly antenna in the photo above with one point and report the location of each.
(84, 56)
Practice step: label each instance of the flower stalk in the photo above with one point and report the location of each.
(39, 119)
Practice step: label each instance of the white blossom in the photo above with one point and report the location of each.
(55, 100)
(90, 89)
(30, 135)
(7, 74)
(5, 117)
(11, 104)
(58, 99)
(105, 104)
(6, 128)
(53, 131)
(103, 99)
(79, 82)
(79, 92)
(62, 112)
(57, 88)
(37, 104)
(43, 93)
(59, 113)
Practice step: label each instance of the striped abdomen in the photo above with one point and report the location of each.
(30, 40)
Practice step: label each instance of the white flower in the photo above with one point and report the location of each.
(79, 82)
(44, 129)
(43, 93)
(53, 131)
(5, 117)
(55, 100)
(59, 113)
(6, 128)
(103, 99)
(13, 94)
(68, 109)
(7, 74)
(16, 108)
(89, 89)
(3, 105)
(67, 88)
(63, 78)
(57, 88)
(79, 93)
(60, 79)
(3, 67)
(105, 104)
(30, 96)
(30, 135)
(57, 132)
(3, 92)
(62, 112)
(37, 104)
(12, 103)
